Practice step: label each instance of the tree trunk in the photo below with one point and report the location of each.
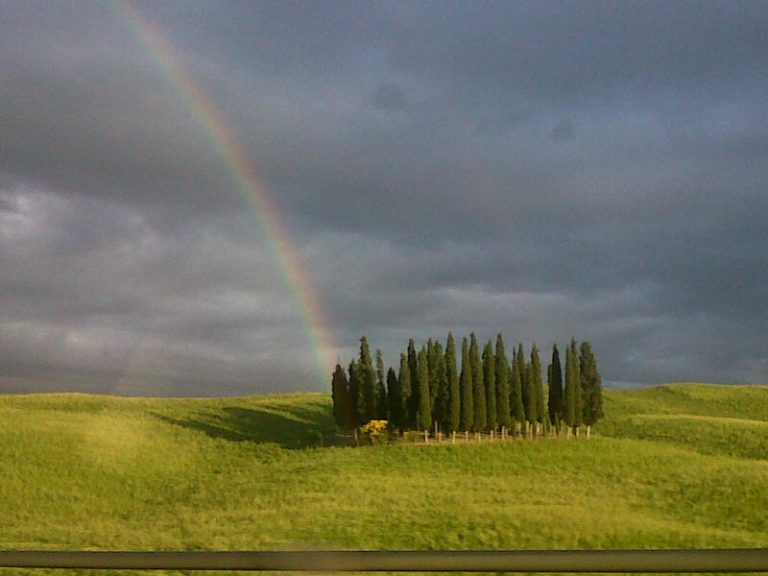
(453, 437)
(589, 431)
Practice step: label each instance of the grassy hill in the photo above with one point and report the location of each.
(673, 466)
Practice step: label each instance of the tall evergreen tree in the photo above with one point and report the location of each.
(424, 414)
(379, 366)
(453, 418)
(355, 394)
(529, 399)
(421, 387)
(572, 388)
(404, 378)
(413, 370)
(516, 387)
(555, 382)
(579, 401)
(525, 386)
(440, 406)
(591, 387)
(394, 400)
(503, 417)
(478, 386)
(467, 392)
(432, 354)
(367, 383)
(537, 385)
(341, 400)
(489, 378)
(381, 388)
(382, 406)
(529, 396)
(569, 392)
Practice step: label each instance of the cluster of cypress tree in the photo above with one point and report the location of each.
(491, 391)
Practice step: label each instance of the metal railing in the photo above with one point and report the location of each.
(711, 560)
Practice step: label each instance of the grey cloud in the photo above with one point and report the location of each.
(390, 97)
(541, 169)
(91, 289)
(563, 131)
(563, 51)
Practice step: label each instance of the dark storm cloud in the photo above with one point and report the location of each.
(87, 111)
(563, 130)
(546, 169)
(390, 97)
(93, 289)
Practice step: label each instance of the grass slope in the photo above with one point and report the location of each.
(672, 466)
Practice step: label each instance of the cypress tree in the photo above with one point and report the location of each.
(341, 400)
(569, 392)
(572, 385)
(413, 371)
(516, 388)
(355, 394)
(530, 399)
(440, 406)
(424, 414)
(421, 387)
(555, 382)
(382, 407)
(367, 383)
(503, 417)
(591, 387)
(537, 385)
(394, 400)
(578, 400)
(381, 389)
(453, 418)
(489, 378)
(432, 355)
(465, 384)
(379, 366)
(404, 379)
(478, 387)
(529, 396)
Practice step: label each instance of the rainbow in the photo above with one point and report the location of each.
(250, 185)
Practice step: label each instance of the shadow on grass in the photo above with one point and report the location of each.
(286, 426)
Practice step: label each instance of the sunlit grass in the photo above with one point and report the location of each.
(677, 466)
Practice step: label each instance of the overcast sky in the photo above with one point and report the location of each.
(543, 169)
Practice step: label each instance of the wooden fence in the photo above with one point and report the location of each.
(441, 438)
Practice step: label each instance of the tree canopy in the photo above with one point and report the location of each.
(484, 394)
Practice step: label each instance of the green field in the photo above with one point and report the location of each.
(673, 466)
